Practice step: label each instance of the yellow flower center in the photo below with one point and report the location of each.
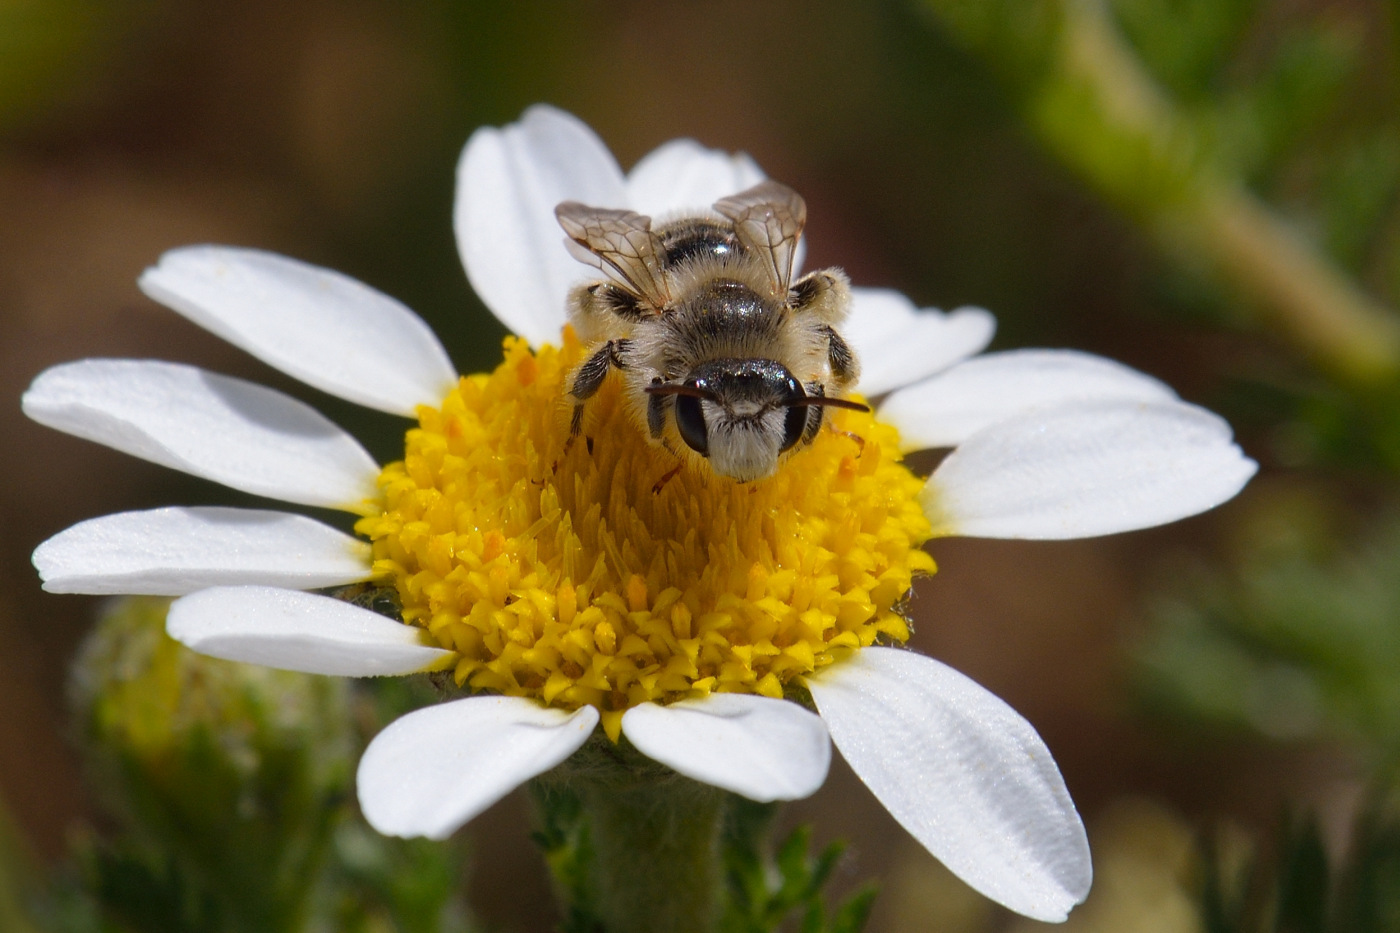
(560, 571)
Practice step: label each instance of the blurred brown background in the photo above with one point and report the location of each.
(329, 131)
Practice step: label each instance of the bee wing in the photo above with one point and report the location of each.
(768, 219)
(620, 243)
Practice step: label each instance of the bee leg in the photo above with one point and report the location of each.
(809, 291)
(860, 441)
(814, 425)
(817, 418)
(815, 415)
(656, 424)
(669, 475)
(591, 374)
(838, 353)
(656, 413)
(575, 428)
(589, 379)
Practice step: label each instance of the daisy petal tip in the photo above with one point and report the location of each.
(151, 276)
(39, 398)
(1087, 469)
(52, 582)
(1060, 896)
(547, 118)
(963, 773)
(52, 578)
(1061, 887)
(975, 324)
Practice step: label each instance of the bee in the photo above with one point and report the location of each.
(721, 353)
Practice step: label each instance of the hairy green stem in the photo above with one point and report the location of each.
(1314, 303)
(656, 865)
(1092, 103)
(633, 846)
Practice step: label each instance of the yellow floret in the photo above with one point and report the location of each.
(559, 571)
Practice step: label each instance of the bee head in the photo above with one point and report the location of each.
(743, 414)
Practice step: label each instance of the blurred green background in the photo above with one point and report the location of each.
(1208, 190)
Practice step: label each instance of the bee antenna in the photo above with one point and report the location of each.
(827, 401)
(692, 391)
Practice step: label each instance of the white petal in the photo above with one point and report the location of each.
(1087, 469)
(950, 407)
(245, 436)
(966, 775)
(760, 748)
(295, 631)
(431, 771)
(508, 183)
(682, 176)
(898, 344)
(174, 551)
(316, 325)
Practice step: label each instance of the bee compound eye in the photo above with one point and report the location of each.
(690, 421)
(795, 425)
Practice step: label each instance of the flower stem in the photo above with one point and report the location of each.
(1092, 102)
(656, 856)
(633, 847)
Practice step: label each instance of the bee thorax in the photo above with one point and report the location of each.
(722, 351)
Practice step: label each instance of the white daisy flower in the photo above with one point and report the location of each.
(563, 591)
